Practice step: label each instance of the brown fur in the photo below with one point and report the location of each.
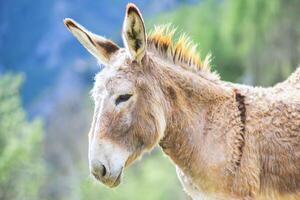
(237, 151)
(247, 152)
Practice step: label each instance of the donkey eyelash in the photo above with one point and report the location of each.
(122, 98)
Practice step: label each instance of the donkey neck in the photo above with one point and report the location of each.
(197, 133)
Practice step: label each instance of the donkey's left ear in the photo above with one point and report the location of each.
(134, 34)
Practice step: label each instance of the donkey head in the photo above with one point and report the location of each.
(129, 116)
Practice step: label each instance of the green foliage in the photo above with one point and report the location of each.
(21, 166)
(247, 28)
(152, 178)
(251, 41)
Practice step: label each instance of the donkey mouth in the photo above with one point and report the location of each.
(114, 182)
(118, 180)
(110, 181)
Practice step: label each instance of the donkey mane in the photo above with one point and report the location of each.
(183, 52)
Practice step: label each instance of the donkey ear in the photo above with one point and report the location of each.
(134, 35)
(98, 46)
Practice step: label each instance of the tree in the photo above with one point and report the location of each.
(21, 163)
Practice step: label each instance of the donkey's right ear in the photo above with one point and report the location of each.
(98, 46)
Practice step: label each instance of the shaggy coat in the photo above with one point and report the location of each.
(227, 141)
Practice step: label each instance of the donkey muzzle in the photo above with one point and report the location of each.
(102, 173)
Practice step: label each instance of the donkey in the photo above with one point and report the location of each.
(227, 141)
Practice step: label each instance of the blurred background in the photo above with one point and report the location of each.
(46, 75)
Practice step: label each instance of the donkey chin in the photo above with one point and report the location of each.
(106, 162)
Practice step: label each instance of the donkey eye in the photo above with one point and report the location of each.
(122, 98)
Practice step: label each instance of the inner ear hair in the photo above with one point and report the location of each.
(108, 46)
(134, 33)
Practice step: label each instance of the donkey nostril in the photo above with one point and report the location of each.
(103, 171)
(98, 169)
